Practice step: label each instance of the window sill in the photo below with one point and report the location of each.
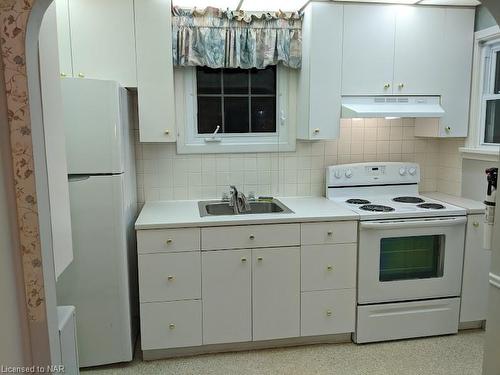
(485, 154)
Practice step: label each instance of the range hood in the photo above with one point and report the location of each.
(391, 106)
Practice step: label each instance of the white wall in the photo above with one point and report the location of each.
(14, 344)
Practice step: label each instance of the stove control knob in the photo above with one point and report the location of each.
(402, 171)
(412, 171)
(338, 173)
(348, 173)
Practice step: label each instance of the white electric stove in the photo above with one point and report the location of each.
(410, 251)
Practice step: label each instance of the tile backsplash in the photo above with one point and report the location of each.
(162, 174)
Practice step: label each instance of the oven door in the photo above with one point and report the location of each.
(402, 260)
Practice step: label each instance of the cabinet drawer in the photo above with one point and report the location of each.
(169, 277)
(250, 236)
(328, 312)
(328, 267)
(331, 232)
(168, 240)
(170, 324)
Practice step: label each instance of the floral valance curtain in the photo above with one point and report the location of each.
(233, 39)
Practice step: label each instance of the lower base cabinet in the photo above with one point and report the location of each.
(180, 324)
(328, 312)
(227, 296)
(276, 293)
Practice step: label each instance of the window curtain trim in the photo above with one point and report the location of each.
(235, 39)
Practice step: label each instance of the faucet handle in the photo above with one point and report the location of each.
(251, 195)
(225, 197)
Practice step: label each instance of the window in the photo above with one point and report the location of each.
(235, 110)
(490, 112)
(236, 100)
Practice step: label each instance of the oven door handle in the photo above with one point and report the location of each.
(413, 223)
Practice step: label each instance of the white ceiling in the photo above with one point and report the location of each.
(292, 5)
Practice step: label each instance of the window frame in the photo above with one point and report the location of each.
(489, 67)
(475, 147)
(189, 141)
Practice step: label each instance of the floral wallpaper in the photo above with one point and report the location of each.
(14, 17)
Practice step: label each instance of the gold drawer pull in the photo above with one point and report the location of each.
(169, 241)
(329, 312)
(476, 224)
(170, 278)
(243, 260)
(329, 267)
(252, 237)
(330, 233)
(171, 326)
(260, 259)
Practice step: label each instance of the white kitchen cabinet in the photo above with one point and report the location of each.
(101, 39)
(155, 73)
(227, 296)
(368, 49)
(477, 262)
(276, 293)
(419, 47)
(64, 38)
(319, 97)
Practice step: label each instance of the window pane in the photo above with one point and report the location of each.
(497, 75)
(236, 115)
(263, 114)
(235, 81)
(264, 81)
(492, 126)
(209, 114)
(208, 80)
(408, 258)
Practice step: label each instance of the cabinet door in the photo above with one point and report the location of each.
(475, 283)
(155, 75)
(457, 72)
(276, 293)
(418, 50)
(368, 52)
(103, 40)
(227, 296)
(64, 38)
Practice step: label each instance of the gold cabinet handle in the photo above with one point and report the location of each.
(387, 85)
(401, 85)
(243, 260)
(329, 312)
(167, 132)
(475, 224)
(252, 237)
(329, 267)
(260, 259)
(171, 326)
(169, 241)
(330, 233)
(63, 75)
(170, 278)
(81, 75)
(447, 129)
(316, 131)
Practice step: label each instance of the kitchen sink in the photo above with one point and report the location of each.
(221, 208)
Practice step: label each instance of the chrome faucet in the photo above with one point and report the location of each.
(238, 201)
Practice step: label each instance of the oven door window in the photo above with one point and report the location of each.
(409, 258)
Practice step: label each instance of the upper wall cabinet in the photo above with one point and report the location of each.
(100, 43)
(318, 111)
(155, 71)
(368, 50)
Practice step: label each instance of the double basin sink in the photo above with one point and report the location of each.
(220, 208)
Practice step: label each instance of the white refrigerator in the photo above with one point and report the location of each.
(102, 280)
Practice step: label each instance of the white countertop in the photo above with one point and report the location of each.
(178, 214)
(472, 206)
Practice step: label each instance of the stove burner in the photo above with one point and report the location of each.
(357, 201)
(408, 200)
(376, 208)
(431, 206)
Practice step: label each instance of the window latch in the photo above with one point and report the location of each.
(213, 137)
